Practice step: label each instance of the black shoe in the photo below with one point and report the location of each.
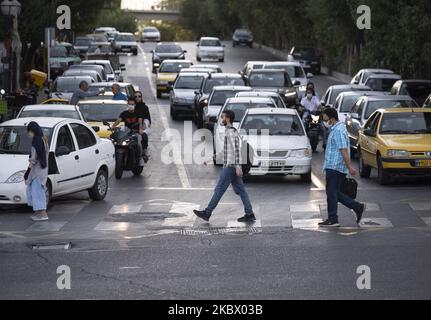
(247, 218)
(202, 214)
(329, 224)
(360, 212)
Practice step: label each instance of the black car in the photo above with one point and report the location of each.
(167, 51)
(308, 57)
(242, 37)
(419, 90)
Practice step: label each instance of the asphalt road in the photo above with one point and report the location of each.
(142, 242)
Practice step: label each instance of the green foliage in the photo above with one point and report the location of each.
(119, 19)
(170, 31)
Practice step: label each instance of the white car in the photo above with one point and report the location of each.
(111, 75)
(51, 111)
(210, 48)
(265, 94)
(239, 106)
(282, 148)
(151, 34)
(362, 76)
(65, 87)
(382, 82)
(294, 69)
(78, 159)
(125, 42)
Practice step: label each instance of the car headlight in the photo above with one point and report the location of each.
(301, 153)
(398, 153)
(17, 177)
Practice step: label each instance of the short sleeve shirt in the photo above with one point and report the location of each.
(338, 139)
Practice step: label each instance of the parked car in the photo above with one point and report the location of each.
(242, 37)
(396, 142)
(96, 112)
(361, 77)
(216, 101)
(263, 94)
(346, 100)
(167, 51)
(62, 56)
(167, 73)
(239, 106)
(151, 34)
(126, 43)
(213, 80)
(82, 44)
(333, 92)
(51, 111)
(210, 48)
(83, 72)
(382, 82)
(285, 151)
(274, 80)
(111, 74)
(78, 160)
(366, 106)
(127, 88)
(183, 94)
(419, 90)
(65, 87)
(308, 57)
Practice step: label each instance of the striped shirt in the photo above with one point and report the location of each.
(338, 139)
(231, 148)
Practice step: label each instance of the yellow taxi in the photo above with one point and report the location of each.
(167, 74)
(56, 101)
(396, 142)
(96, 112)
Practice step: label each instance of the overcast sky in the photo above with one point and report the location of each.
(138, 4)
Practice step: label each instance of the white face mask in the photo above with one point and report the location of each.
(131, 107)
(327, 124)
(309, 96)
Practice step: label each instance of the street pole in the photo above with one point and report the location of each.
(17, 50)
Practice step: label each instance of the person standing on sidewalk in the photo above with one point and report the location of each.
(231, 174)
(337, 166)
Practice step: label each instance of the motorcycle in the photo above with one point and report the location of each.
(127, 151)
(313, 126)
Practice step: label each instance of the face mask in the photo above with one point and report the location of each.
(30, 135)
(309, 96)
(131, 108)
(327, 124)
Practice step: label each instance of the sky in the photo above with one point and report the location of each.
(138, 4)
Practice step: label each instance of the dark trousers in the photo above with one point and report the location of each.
(334, 179)
(144, 141)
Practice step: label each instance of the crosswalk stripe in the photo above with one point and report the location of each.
(185, 209)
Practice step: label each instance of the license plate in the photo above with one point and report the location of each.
(277, 164)
(423, 163)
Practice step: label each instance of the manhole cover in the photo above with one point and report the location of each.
(219, 231)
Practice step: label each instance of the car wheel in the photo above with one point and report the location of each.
(364, 170)
(221, 60)
(138, 171)
(159, 94)
(135, 53)
(100, 188)
(306, 177)
(382, 176)
(48, 194)
(174, 115)
(119, 159)
(199, 59)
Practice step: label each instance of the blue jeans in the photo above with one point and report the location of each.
(334, 179)
(36, 197)
(227, 177)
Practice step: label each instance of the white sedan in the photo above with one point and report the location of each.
(279, 142)
(78, 159)
(210, 48)
(239, 106)
(51, 111)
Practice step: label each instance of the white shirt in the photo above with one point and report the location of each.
(310, 105)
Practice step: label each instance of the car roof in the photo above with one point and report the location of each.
(387, 98)
(351, 86)
(210, 38)
(126, 34)
(250, 100)
(65, 107)
(101, 101)
(384, 76)
(76, 77)
(232, 88)
(376, 70)
(259, 94)
(193, 74)
(414, 81)
(267, 70)
(96, 61)
(225, 76)
(196, 70)
(108, 84)
(205, 66)
(264, 111)
(176, 61)
(43, 122)
(405, 110)
(285, 63)
(362, 93)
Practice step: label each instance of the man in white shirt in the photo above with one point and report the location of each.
(310, 102)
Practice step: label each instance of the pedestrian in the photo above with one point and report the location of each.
(231, 174)
(145, 117)
(37, 174)
(337, 166)
(83, 93)
(118, 95)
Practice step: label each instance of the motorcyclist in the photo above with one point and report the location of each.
(310, 103)
(144, 111)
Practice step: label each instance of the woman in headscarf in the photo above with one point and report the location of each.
(38, 172)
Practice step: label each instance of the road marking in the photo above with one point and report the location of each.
(185, 209)
(181, 169)
(316, 181)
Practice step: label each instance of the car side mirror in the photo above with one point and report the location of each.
(62, 151)
(184, 51)
(96, 128)
(369, 133)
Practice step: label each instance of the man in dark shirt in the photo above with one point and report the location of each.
(145, 116)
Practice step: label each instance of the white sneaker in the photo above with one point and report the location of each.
(142, 163)
(39, 218)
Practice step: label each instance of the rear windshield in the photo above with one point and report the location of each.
(268, 79)
(128, 38)
(67, 84)
(219, 97)
(210, 43)
(168, 48)
(241, 108)
(174, 67)
(275, 125)
(192, 83)
(102, 112)
(293, 71)
(211, 83)
(384, 85)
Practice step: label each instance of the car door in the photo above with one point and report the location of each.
(66, 156)
(89, 154)
(370, 146)
(365, 140)
(356, 125)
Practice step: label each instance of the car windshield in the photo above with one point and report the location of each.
(106, 67)
(376, 105)
(58, 52)
(107, 88)
(99, 38)
(348, 103)
(168, 48)
(210, 43)
(268, 79)
(406, 123)
(14, 140)
(243, 33)
(293, 71)
(306, 53)
(211, 83)
(67, 84)
(336, 92)
(383, 85)
(68, 114)
(103, 49)
(219, 97)
(274, 125)
(151, 29)
(102, 112)
(83, 42)
(419, 92)
(192, 83)
(126, 38)
(241, 108)
(173, 67)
